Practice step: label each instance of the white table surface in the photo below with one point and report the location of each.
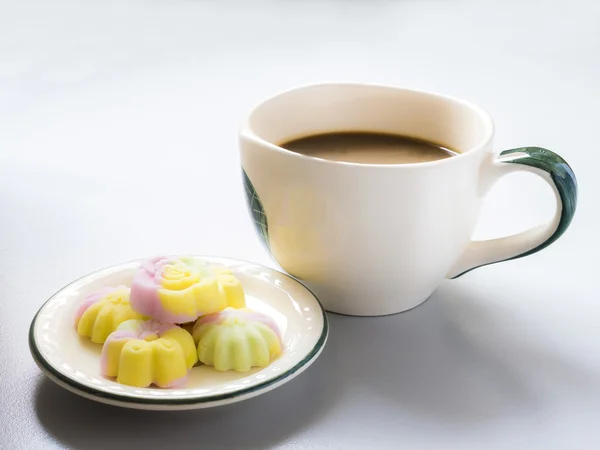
(118, 121)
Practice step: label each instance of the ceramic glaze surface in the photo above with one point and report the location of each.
(377, 239)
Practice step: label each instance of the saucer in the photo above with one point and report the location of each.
(73, 362)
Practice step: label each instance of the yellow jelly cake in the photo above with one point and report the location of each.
(103, 311)
(180, 289)
(140, 353)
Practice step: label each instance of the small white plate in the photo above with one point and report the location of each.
(73, 362)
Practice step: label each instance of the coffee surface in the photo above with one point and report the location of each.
(368, 148)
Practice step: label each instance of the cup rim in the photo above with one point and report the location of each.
(245, 131)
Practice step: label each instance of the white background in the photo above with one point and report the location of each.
(118, 124)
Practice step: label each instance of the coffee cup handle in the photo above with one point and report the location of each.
(559, 175)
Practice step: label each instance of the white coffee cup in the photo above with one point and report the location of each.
(375, 239)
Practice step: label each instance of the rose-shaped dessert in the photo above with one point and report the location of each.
(237, 339)
(179, 289)
(103, 311)
(140, 353)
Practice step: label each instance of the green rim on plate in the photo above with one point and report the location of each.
(83, 388)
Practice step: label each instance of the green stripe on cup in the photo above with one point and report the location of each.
(563, 178)
(256, 209)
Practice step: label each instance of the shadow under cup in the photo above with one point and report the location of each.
(370, 239)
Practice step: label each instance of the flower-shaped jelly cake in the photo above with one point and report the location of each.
(179, 289)
(103, 311)
(140, 353)
(237, 339)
